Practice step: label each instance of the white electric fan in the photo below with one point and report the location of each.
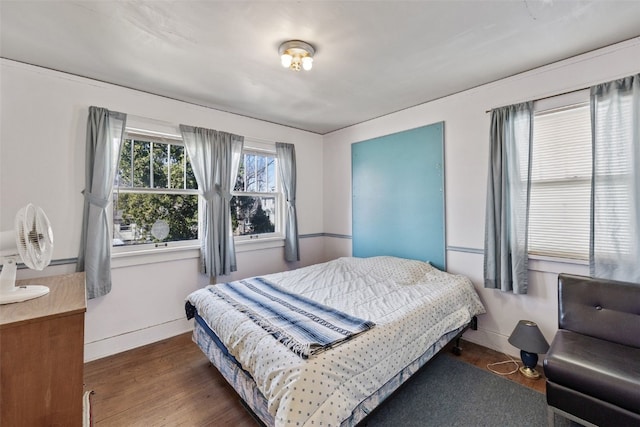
(32, 242)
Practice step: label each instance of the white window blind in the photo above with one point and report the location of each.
(561, 183)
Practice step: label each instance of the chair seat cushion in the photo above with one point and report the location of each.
(602, 369)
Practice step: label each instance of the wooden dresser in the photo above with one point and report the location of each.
(42, 355)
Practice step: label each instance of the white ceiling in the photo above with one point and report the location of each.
(373, 58)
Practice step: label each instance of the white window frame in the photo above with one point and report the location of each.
(132, 255)
(264, 240)
(145, 253)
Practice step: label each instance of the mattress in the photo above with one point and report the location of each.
(412, 304)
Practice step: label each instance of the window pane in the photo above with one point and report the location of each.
(136, 213)
(562, 145)
(240, 178)
(190, 177)
(123, 176)
(176, 166)
(253, 215)
(257, 174)
(261, 173)
(141, 164)
(271, 174)
(250, 173)
(559, 219)
(160, 165)
(613, 234)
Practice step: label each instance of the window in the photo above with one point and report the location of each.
(559, 212)
(256, 203)
(155, 198)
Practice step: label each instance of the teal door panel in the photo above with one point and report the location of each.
(398, 195)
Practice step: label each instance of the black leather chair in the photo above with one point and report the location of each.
(593, 364)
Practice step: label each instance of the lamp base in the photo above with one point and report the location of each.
(529, 362)
(529, 373)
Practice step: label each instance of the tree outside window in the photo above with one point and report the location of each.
(255, 197)
(154, 185)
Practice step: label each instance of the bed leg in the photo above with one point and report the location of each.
(473, 324)
(457, 349)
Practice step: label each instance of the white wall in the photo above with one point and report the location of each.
(42, 134)
(43, 127)
(466, 157)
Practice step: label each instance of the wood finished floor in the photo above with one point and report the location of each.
(171, 383)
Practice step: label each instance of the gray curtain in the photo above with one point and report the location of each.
(614, 251)
(287, 165)
(215, 157)
(508, 188)
(105, 130)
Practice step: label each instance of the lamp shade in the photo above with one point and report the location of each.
(527, 336)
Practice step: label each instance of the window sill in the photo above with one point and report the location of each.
(176, 253)
(558, 265)
(153, 255)
(259, 244)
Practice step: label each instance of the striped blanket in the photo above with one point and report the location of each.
(304, 326)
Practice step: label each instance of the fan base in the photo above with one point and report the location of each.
(22, 293)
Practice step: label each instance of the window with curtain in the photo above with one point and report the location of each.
(561, 183)
(155, 194)
(615, 241)
(256, 206)
(617, 174)
(561, 175)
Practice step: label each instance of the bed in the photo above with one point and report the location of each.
(410, 310)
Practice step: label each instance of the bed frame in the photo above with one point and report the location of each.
(255, 402)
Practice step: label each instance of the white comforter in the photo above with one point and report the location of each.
(412, 304)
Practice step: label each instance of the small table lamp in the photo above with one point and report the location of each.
(528, 338)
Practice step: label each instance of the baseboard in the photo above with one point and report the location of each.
(117, 344)
(492, 340)
(130, 340)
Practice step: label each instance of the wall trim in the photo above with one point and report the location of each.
(465, 249)
(65, 261)
(337, 236)
(53, 263)
(307, 236)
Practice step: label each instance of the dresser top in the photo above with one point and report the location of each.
(66, 297)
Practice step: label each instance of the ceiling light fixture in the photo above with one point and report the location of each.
(296, 54)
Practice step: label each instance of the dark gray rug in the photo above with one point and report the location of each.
(449, 392)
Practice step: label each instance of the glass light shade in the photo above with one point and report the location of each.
(295, 63)
(296, 55)
(286, 59)
(307, 63)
